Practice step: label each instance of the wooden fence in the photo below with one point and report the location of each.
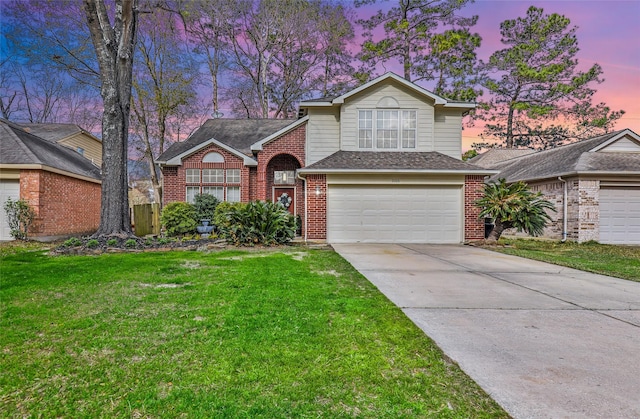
(146, 219)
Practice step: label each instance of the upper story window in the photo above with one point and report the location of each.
(213, 157)
(387, 129)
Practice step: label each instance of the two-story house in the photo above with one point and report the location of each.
(380, 163)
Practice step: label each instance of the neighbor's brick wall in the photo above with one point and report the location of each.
(317, 212)
(473, 226)
(63, 205)
(554, 193)
(588, 198)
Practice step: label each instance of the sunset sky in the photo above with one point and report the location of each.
(607, 34)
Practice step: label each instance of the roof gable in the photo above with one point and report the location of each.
(258, 146)
(626, 141)
(386, 78)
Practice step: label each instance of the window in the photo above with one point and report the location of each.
(80, 151)
(212, 176)
(393, 129)
(192, 191)
(193, 175)
(217, 191)
(284, 177)
(233, 194)
(213, 158)
(233, 175)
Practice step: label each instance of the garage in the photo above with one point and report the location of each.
(394, 214)
(620, 215)
(8, 189)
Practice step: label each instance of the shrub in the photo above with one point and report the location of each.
(19, 217)
(92, 244)
(112, 242)
(73, 242)
(130, 244)
(257, 222)
(205, 206)
(220, 216)
(179, 218)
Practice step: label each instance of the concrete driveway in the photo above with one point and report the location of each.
(542, 340)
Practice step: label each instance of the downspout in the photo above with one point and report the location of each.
(564, 210)
(305, 204)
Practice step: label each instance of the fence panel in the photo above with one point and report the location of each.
(146, 218)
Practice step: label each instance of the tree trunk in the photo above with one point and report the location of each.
(114, 50)
(496, 233)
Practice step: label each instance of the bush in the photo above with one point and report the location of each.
(205, 206)
(73, 242)
(19, 217)
(92, 244)
(112, 242)
(257, 222)
(220, 217)
(131, 244)
(179, 218)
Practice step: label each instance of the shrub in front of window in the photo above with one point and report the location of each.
(258, 222)
(205, 206)
(19, 217)
(179, 218)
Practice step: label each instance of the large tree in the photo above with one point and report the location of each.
(420, 35)
(114, 44)
(537, 96)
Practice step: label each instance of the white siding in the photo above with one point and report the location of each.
(8, 189)
(448, 132)
(92, 147)
(323, 133)
(369, 99)
(624, 144)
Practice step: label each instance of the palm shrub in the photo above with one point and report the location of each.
(205, 206)
(257, 222)
(20, 216)
(514, 206)
(179, 218)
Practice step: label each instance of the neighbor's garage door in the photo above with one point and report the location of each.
(620, 215)
(398, 214)
(8, 189)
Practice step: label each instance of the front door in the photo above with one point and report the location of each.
(285, 196)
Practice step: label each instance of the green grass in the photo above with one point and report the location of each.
(618, 261)
(228, 335)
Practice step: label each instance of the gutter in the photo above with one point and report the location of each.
(564, 210)
(305, 205)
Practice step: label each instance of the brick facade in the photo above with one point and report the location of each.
(473, 224)
(317, 211)
(63, 205)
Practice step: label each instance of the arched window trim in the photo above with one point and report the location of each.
(213, 157)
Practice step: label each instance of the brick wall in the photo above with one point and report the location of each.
(317, 202)
(588, 197)
(473, 226)
(63, 205)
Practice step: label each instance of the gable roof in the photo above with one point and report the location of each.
(393, 161)
(235, 135)
(495, 156)
(55, 132)
(338, 100)
(583, 157)
(23, 150)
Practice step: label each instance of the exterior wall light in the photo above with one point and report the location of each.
(318, 190)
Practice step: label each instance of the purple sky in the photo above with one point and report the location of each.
(607, 34)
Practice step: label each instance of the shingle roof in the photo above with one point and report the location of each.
(20, 147)
(52, 132)
(571, 159)
(239, 134)
(491, 158)
(401, 160)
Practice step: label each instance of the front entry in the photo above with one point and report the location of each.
(285, 196)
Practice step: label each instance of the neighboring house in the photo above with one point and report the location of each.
(381, 163)
(594, 184)
(62, 186)
(70, 136)
(497, 156)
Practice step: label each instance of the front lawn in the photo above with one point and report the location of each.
(271, 334)
(617, 261)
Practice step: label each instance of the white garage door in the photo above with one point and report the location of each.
(620, 215)
(8, 189)
(394, 214)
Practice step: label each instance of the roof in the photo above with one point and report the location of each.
(337, 100)
(54, 132)
(21, 148)
(582, 157)
(238, 134)
(493, 157)
(391, 161)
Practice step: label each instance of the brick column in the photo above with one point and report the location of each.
(317, 207)
(473, 226)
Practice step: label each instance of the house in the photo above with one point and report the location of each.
(61, 185)
(594, 184)
(380, 163)
(71, 136)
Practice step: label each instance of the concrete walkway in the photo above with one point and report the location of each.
(542, 340)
